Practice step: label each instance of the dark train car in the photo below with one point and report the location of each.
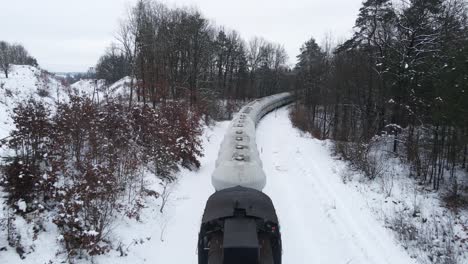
(239, 225)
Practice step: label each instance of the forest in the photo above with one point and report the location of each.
(402, 78)
(176, 53)
(397, 86)
(83, 162)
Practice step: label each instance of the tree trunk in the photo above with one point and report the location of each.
(131, 92)
(464, 157)
(324, 122)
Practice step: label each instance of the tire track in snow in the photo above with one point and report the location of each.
(322, 220)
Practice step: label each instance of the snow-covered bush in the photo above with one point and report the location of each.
(169, 136)
(301, 118)
(185, 126)
(363, 157)
(85, 163)
(24, 179)
(433, 238)
(216, 109)
(86, 210)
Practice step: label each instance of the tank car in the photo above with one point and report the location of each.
(240, 224)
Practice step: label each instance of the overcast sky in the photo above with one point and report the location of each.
(70, 35)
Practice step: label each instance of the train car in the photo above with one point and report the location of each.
(240, 224)
(238, 162)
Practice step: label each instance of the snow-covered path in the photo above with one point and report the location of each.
(322, 220)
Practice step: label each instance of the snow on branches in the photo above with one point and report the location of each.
(85, 163)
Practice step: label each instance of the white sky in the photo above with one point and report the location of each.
(70, 35)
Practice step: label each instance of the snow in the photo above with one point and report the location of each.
(89, 87)
(22, 205)
(39, 248)
(98, 88)
(89, 232)
(26, 82)
(322, 219)
(431, 232)
(170, 237)
(246, 168)
(121, 87)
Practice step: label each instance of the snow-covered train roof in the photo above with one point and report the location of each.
(224, 203)
(238, 162)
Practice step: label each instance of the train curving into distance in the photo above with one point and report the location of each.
(240, 224)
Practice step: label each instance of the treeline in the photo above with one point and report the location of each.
(178, 54)
(14, 54)
(403, 74)
(86, 163)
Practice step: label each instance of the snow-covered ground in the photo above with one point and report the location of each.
(322, 219)
(26, 82)
(98, 89)
(171, 237)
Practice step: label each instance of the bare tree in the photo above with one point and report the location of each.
(5, 57)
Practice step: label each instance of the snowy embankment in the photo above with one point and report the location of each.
(23, 83)
(98, 89)
(26, 82)
(322, 219)
(170, 237)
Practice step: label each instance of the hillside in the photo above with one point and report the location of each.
(26, 82)
(29, 229)
(99, 89)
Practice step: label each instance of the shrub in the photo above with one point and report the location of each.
(87, 210)
(85, 162)
(25, 174)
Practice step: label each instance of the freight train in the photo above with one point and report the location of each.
(239, 224)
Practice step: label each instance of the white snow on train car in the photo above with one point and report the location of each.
(238, 162)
